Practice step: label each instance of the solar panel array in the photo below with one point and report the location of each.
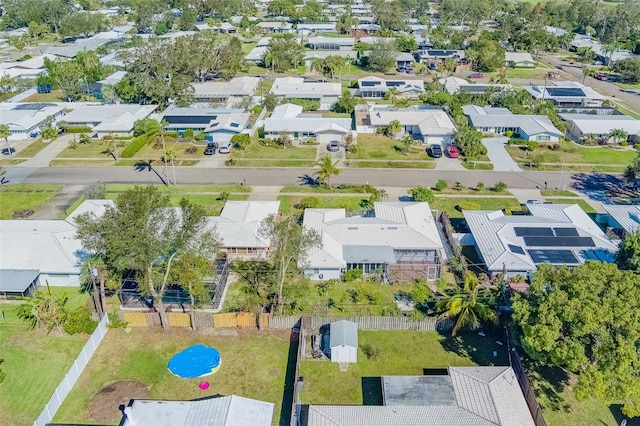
(189, 119)
(395, 83)
(554, 256)
(559, 241)
(516, 249)
(565, 91)
(369, 83)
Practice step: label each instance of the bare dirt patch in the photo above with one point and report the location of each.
(105, 405)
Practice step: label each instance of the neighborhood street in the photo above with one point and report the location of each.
(291, 176)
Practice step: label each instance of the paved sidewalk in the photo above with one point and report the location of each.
(55, 209)
(265, 193)
(502, 161)
(52, 150)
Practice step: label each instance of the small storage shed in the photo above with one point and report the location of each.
(343, 341)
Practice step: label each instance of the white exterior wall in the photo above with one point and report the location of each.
(344, 353)
(327, 274)
(328, 137)
(60, 280)
(440, 139)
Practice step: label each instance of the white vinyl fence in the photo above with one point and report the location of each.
(73, 374)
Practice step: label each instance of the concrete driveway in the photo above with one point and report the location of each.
(502, 161)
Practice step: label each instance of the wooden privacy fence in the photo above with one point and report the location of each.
(365, 323)
(201, 319)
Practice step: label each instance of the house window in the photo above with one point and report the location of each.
(543, 138)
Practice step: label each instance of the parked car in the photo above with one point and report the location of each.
(436, 150)
(333, 146)
(476, 75)
(452, 152)
(225, 148)
(602, 77)
(8, 151)
(211, 148)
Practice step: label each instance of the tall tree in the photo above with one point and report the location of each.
(465, 307)
(284, 53)
(289, 243)
(382, 56)
(4, 134)
(189, 272)
(585, 319)
(327, 169)
(43, 310)
(628, 255)
(141, 233)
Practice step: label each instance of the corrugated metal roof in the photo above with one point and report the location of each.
(627, 216)
(343, 333)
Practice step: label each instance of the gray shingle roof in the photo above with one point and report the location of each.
(343, 333)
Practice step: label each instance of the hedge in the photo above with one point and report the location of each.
(82, 129)
(136, 145)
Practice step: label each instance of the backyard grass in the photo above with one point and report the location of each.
(404, 353)
(16, 197)
(379, 147)
(572, 153)
(32, 149)
(331, 114)
(142, 355)
(288, 203)
(579, 201)
(35, 362)
(54, 96)
(449, 204)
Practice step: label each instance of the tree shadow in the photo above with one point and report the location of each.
(595, 181)
(290, 380)
(550, 383)
(616, 411)
(372, 391)
(141, 166)
(482, 350)
(308, 180)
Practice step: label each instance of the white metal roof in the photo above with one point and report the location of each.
(19, 118)
(237, 225)
(223, 411)
(296, 87)
(49, 246)
(518, 57)
(502, 117)
(627, 216)
(343, 333)
(120, 116)
(428, 118)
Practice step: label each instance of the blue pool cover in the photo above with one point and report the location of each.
(195, 361)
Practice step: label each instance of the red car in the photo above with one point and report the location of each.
(602, 77)
(452, 152)
(476, 75)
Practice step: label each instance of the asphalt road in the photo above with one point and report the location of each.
(292, 176)
(607, 87)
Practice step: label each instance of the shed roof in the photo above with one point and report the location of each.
(17, 280)
(627, 216)
(343, 333)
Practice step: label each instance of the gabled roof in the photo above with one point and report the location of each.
(502, 117)
(119, 115)
(288, 118)
(238, 223)
(341, 41)
(627, 216)
(223, 411)
(426, 119)
(518, 57)
(239, 86)
(343, 333)
(24, 116)
(296, 87)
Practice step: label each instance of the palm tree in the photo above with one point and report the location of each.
(465, 307)
(4, 134)
(317, 65)
(327, 169)
(170, 154)
(43, 310)
(618, 135)
(394, 128)
(392, 94)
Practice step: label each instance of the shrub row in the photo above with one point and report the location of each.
(136, 145)
(82, 129)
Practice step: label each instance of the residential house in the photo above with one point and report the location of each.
(580, 126)
(426, 124)
(519, 60)
(289, 119)
(214, 411)
(437, 56)
(490, 120)
(226, 93)
(602, 53)
(311, 55)
(316, 28)
(375, 87)
(404, 60)
(397, 241)
(27, 119)
(624, 218)
(559, 234)
(220, 125)
(71, 50)
(343, 341)
(464, 396)
(109, 119)
(456, 85)
(326, 94)
(331, 43)
(238, 227)
(223, 28)
(278, 27)
(567, 94)
(18, 282)
(28, 69)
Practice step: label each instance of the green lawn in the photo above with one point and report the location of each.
(142, 355)
(288, 203)
(392, 164)
(557, 193)
(153, 150)
(181, 189)
(470, 165)
(468, 191)
(35, 363)
(379, 147)
(93, 149)
(265, 162)
(336, 115)
(404, 353)
(575, 154)
(55, 96)
(255, 150)
(32, 149)
(319, 189)
(449, 204)
(16, 197)
(582, 203)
